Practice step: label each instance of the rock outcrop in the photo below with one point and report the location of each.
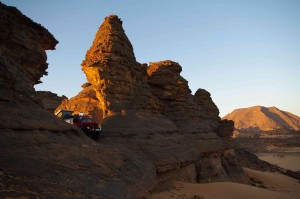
(140, 98)
(111, 68)
(189, 113)
(42, 157)
(225, 129)
(23, 63)
(258, 119)
(23, 43)
(49, 101)
(85, 102)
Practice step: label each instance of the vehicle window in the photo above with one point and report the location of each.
(75, 120)
(85, 120)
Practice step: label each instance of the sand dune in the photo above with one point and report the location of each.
(277, 187)
(289, 161)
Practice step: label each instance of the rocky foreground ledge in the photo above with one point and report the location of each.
(155, 131)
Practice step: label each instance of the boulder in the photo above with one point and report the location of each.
(225, 129)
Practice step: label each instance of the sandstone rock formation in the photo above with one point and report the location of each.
(140, 98)
(18, 48)
(259, 119)
(226, 128)
(111, 68)
(189, 113)
(42, 157)
(49, 101)
(85, 102)
(23, 63)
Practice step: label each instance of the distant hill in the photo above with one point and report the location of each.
(263, 119)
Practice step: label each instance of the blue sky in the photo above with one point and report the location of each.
(245, 53)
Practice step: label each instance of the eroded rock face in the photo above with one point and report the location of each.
(23, 63)
(208, 109)
(111, 68)
(166, 82)
(218, 167)
(85, 102)
(128, 90)
(23, 57)
(225, 129)
(42, 157)
(49, 101)
(190, 113)
(134, 98)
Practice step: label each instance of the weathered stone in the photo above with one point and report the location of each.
(208, 109)
(23, 62)
(225, 129)
(216, 167)
(85, 102)
(23, 57)
(49, 101)
(41, 156)
(189, 113)
(156, 98)
(111, 68)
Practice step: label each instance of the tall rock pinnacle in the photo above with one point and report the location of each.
(111, 68)
(110, 39)
(135, 97)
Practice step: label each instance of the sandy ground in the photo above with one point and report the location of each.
(277, 186)
(285, 160)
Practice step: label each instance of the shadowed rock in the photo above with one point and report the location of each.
(49, 101)
(177, 103)
(23, 57)
(144, 148)
(23, 63)
(157, 98)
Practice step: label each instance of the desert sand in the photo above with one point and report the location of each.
(289, 161)
(273, 186)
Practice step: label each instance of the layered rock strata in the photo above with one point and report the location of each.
(139, 98)
(85, 102)
(23, 43)
(49, 159)
(23, 62)
(111, 68)
(49, 101)
(196, 113)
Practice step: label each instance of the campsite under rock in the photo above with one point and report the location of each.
(155, 131)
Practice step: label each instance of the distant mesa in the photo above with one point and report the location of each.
(260, 119)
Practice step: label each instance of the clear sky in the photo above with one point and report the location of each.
(244, 52)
